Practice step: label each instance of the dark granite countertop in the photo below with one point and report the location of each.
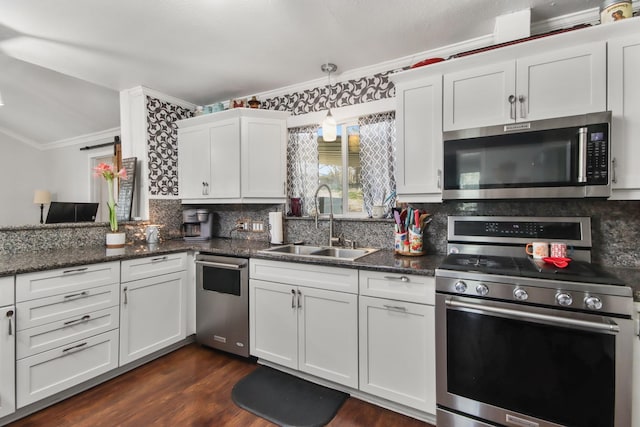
(382, 260)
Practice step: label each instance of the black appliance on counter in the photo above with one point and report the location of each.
(71, 212)
(523, 343)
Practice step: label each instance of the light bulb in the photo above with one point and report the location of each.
(329, 128)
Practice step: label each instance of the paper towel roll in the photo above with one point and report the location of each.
(275, 225)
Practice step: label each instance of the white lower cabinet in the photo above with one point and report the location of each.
(635, 420)
(7, 358)
(56, 370)
(397, 352)
(152, 311)
(306, 328)
(397, 338)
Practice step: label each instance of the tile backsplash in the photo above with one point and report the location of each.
(615, 225)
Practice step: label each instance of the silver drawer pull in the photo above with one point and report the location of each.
(9, 316)
(84, 318)
(82, 294)
(221, 265)
(401, 278)
(293, 298)
(395, 308)
(162, 258)
(75, 347)
(76, 270)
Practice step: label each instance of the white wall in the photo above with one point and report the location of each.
(64, 171)
(22, 172)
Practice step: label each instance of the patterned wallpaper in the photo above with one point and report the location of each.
(351, 92)
(162, 131)
(162, 140)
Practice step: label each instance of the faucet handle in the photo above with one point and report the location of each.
(350, 243)
(337, 240)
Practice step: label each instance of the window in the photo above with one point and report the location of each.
(357, 167)
(339, 168)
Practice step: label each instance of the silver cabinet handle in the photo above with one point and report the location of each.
(522, 109)
(299, 299)
(439, 179)
(512, 107)
(82, 294)
(395, 308)
(126, 299)
(76, 270)
(613, 170)
(400, 278)
(204, 188)
(222, 265)
(293, 298)
(84, 318)
(158, 259)
(75, 347)
(10, 316)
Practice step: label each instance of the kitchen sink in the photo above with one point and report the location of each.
(320, 252)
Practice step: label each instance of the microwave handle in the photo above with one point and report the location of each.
(582, 154)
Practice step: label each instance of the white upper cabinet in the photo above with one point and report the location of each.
(233, 156)
(557, 83)
(624, 103)
(419, 139)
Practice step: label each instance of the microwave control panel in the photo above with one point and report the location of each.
(597, 155)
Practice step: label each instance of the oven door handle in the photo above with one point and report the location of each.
(221, 265)
(546, 318)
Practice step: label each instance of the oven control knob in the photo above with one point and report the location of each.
(520, 294)
(593, 303)
(460, 286)
(564, 299)
(482, 289)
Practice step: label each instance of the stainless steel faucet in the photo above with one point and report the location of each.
(332, 239)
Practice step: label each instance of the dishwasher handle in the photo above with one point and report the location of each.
(222, 265)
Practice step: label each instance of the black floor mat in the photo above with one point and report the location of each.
(286, 400)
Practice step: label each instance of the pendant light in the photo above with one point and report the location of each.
(329, 123)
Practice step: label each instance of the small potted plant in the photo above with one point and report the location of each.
(115, 239)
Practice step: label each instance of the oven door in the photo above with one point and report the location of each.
(525, 366)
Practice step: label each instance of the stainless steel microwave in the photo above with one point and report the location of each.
(556, 158)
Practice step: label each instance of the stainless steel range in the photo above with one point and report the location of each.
(521, 342)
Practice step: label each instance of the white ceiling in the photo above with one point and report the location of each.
(63, 62)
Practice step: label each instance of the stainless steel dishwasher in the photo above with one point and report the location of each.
(222, 303)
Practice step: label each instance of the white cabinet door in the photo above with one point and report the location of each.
(635, 385)
(264, 157)
(7, 360)
(479, 96)
(273, 322)
(555, 84)
(328, 335)
(152, 315)
(224, 158)
(419, 134)
(624, 103)
(193, 162)
(562, 83)
(397, 352)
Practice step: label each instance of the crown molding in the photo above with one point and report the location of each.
(21, 138)
(83, 139)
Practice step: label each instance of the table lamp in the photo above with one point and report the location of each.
(42, 197)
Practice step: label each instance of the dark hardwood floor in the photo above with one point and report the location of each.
(189, 387)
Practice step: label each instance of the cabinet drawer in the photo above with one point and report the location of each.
(56, 370)
(63, 332)
(404, 287)
(140, 268)
(313, 276)
(7, 296)
(65, 280)
(60, 307)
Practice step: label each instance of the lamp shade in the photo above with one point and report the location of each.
(329, 132)
(42, 197)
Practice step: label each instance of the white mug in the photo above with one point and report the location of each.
(538, 249)
(152, 233)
